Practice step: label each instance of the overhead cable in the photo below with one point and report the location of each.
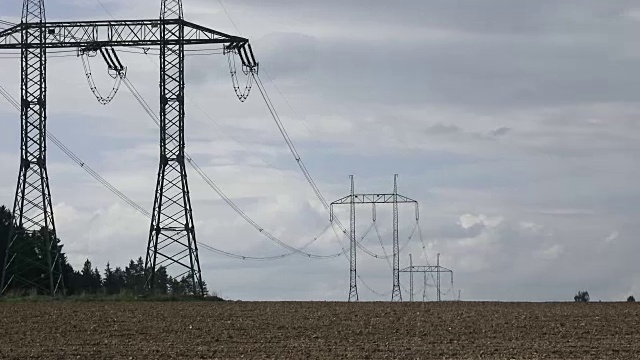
(79, 161)
(301, 165)
(219, 191)
(135, 205)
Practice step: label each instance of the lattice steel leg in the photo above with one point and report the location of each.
(396, 294)
(172, 237)
(353, 285)
(410, 278)
(438, 277)
(32, 259)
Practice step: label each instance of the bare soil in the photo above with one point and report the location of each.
(320, 330)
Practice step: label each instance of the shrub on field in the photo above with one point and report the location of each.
(631, 299)
(581, 296)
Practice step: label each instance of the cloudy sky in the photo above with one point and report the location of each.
(513, 123)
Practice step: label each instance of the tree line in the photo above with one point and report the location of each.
(130, 280)
(89, 280)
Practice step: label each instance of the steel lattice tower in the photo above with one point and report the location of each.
(32, 209)
(172, 236)
(437, 269)
(396, 294)
(353, 285)
(354, 199)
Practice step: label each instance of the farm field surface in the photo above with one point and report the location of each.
(318, 330)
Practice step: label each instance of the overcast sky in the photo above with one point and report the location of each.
(512, 122)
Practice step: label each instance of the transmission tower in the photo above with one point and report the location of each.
(32, 209)
(358, 199)
(426, 270)
(172, 235)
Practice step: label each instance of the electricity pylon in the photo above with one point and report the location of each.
(172, 235)
(425, 270)
(357, 199)
(32, 225)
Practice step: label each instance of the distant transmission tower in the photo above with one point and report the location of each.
(358, 199)
(426, 270)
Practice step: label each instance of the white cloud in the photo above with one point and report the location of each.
(611, 237)
(468, 220)
(552, 252)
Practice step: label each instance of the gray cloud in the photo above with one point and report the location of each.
(514, 123)
(443, 129)
(501, 131)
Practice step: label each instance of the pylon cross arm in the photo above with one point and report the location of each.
(116, 33)
(426, 269)
(374, 199)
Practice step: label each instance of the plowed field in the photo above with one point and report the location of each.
(233, 330)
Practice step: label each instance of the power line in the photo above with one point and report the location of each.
(229, 16)
(301, 165)
(105, 8)
(287, 139)
(371, 289)
(79, 161)
(219, 191)
(132, 203)
(287, 102)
